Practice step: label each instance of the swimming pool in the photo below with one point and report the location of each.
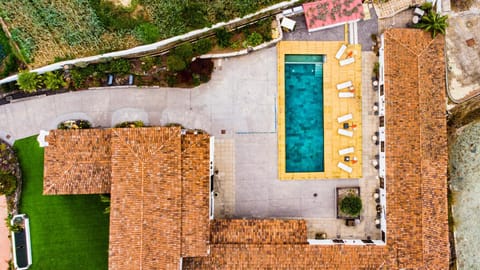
(304, 127)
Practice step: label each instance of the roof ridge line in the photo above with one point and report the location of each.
(128, 146)
(428, 46)
(420, 131)
(400, 43)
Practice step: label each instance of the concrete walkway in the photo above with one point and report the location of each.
(234, 100)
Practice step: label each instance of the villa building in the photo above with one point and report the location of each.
(159, 181)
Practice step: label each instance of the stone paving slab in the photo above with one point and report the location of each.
(392, 7)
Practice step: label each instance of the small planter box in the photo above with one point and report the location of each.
(342, 192)
(22, 252)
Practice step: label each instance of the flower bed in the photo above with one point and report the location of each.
(74, 124)
(130, 124)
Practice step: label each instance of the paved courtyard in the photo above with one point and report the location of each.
(238, 107)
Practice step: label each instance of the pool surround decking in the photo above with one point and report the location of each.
(334, 107)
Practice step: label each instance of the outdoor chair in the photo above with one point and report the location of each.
(346, 95)
(345, 118)
(340, 52)
(347, 61)
(344, 167)
(345, 132)
(344, 85)
(345, 151)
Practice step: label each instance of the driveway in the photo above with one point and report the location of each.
(235, 100)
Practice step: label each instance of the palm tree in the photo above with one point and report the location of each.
(29, 81)
(434, 23)
(54, 81)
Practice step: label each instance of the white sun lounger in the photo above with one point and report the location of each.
(340, 52)
(344, 167)
(345, 132)
(345, 118)
(344, 85)
(345, 151)
(347, 61)
(346, 95)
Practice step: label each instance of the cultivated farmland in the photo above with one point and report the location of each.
(54, 30)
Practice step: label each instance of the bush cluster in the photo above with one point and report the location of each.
(351, 205)
(31, 81)
(74, 124)
(130, 124)
(8, 166)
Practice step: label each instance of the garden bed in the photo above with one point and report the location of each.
(22, 251)
(342, 193)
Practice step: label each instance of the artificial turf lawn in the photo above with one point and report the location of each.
(67, 232)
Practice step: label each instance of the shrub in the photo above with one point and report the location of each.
(8, 183)
(184, 51)
(105, 198)
(147, 62)
(202, 46)
(77, 77)
(351, 205)
(254, 39)
(147, 33)
(29, 81)
(130, 124)
(54, 80)
(74, 124)
(223, 37)
(175, 63)
(121, 66)
(264, 28)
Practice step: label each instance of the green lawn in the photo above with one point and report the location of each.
(67, 232)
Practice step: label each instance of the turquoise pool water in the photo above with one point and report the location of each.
(304, 113)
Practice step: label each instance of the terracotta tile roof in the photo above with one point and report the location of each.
(145, 212)
(416, 151)
(71, 167)
(288, 256)
(159, 189)
(195, 194)
(267, 231)
(417, 160)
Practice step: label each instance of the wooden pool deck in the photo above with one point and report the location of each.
(334, 107)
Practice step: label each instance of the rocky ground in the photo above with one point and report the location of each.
(465, 186)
